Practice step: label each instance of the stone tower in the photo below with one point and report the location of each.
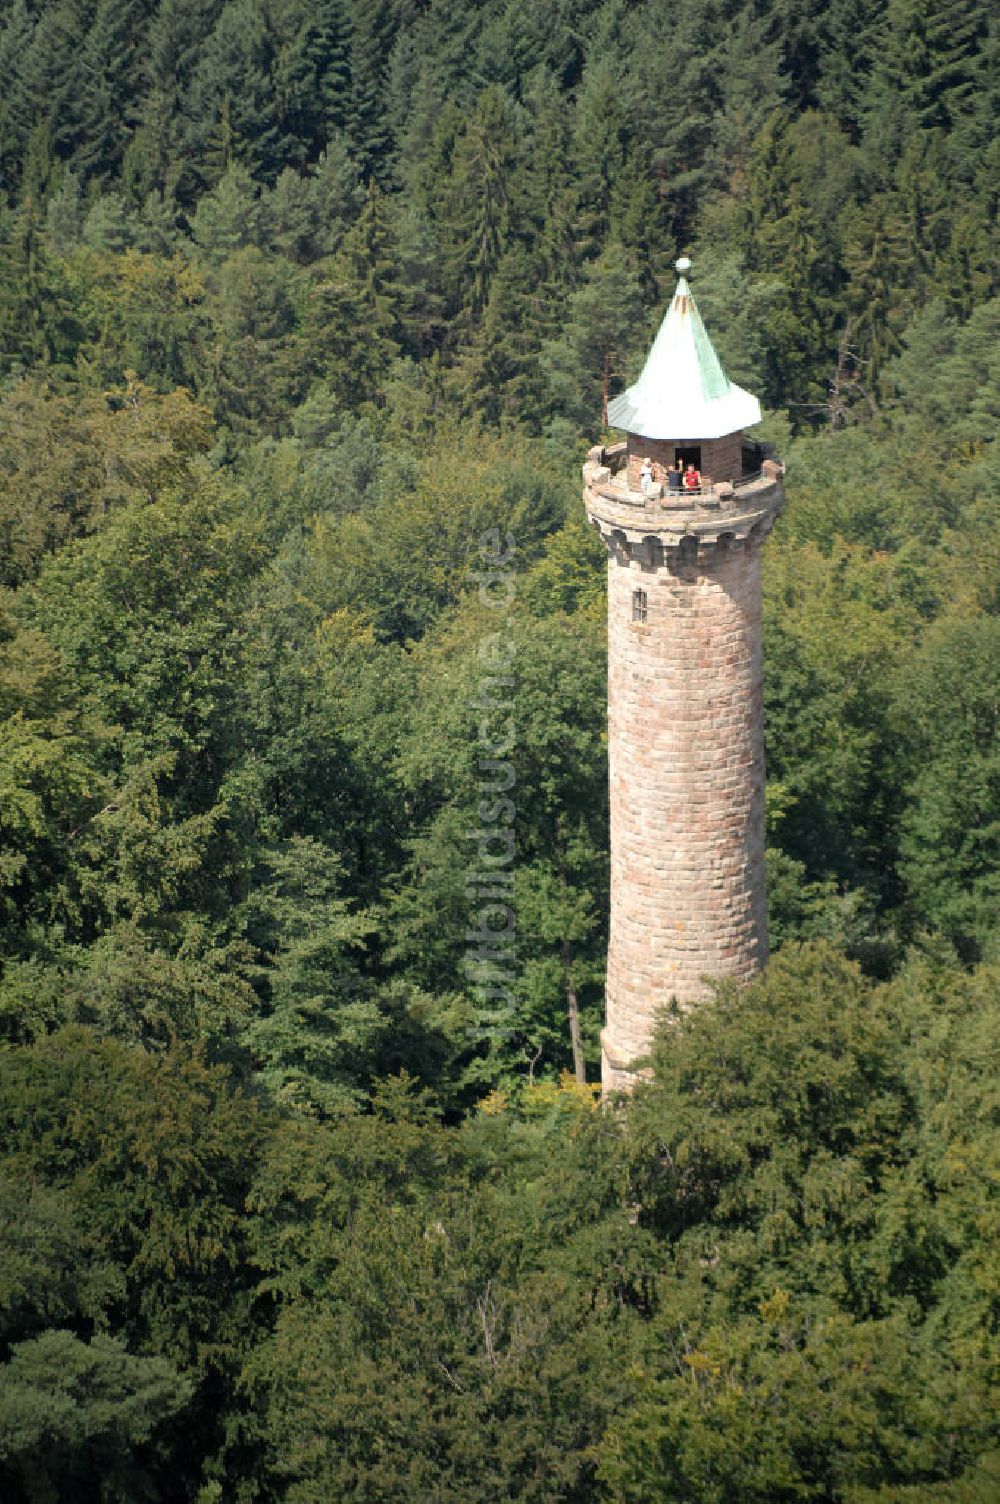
(685, 717)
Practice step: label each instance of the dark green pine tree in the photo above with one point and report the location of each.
(155, 159)
(546, 174)
(304, 50)
(525, 34)
(51, 71)
(324, 42)
(970, 262)
(948, 724)
(769, 180)
(588, 360)
(244, 62)
(345, 348)
(606, 106)
(21, 334)
(368, 256)
(675, 85)
(800, 30)
(40, 170)
(427, 156)
(483, 211)
(929, 75)
(422, 298)
(373, 24)
(64, 219)
(638, 219)
(849, 39)
(148, 164)
(801, 328)
(36, 321)
(17, 107)
(749, 58)
(110, 78)
(558, 245)
(351, 324)
(338, 193)
(883, 266)
(501, 373)
(786, 232)
(927, 208)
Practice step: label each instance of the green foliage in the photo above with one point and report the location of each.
(515, 755)
(70, 460)
(77, 1416)
(444, 1334)
(782, 1155)
(134, 1169)
(950, 838)
(587, 361)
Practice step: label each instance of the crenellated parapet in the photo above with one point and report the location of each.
(652, 527)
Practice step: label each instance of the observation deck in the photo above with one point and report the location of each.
(724, 512)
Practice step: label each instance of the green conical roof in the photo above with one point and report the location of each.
(683, 392)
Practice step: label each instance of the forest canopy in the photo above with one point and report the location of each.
(307, 310)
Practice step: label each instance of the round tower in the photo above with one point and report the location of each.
(685, 714)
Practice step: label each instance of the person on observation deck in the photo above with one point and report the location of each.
(692, 477)
(674, 478)
(646, 477)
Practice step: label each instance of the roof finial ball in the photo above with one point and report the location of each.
(683, 505)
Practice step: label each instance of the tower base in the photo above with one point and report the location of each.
(619, 1073)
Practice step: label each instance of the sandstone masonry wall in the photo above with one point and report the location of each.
(686, 755)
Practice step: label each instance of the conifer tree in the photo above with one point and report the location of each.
(505, 383)
(426, 124)
(107, 227)
(801, 328)
(483, 213)
(638, 220)
(372, 26)
(353, 306)
(546, 146)
(37, 321)
(322, 38)
(243, 76)
(40, 170)
(368, 256)
(602, 133)
(422, 296)
(228, 217)
(17, 104)
(929, 76)
(749, 58)
(51, 70)
(108, 104)
(64, 215)
(882, 262)
(589, 360)
(673, 91)
(950, 840)
(338, 192)
(850, 39)
(154, 158)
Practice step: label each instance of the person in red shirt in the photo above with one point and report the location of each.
(692, 478)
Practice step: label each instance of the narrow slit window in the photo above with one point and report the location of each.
(640, 605)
